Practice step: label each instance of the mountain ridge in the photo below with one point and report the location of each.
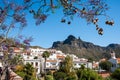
(77, 46)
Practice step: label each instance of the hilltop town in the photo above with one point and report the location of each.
(34, 56)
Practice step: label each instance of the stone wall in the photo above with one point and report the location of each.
(13, 75)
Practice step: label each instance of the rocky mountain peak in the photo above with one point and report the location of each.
(85, 49)
(70, 39)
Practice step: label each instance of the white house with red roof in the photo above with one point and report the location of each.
(36, 51)
(54, 60)
(18, 50)
(77, 62)
(52, 65)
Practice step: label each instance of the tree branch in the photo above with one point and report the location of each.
(51, 3)
(8, 30)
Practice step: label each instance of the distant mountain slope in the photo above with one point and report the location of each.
(73, 45)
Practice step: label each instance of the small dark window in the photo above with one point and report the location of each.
(36, 64)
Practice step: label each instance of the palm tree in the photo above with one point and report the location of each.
(28, 71)
(45, 55)
(67, 65)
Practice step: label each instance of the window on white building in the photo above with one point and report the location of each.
(80, 64)
(27, 57)
(75, 64)
(53, 63)
(36, 64)
(113, 65)
(47, 64)
(31, 63)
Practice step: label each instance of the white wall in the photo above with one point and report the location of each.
(114, 64)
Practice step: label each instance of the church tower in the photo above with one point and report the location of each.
(113, 55)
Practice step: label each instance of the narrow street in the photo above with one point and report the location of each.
(2, 77)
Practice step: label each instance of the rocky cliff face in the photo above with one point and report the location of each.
(73, 45)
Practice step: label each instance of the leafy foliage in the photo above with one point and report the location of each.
(49, 77)
(59, 75)
(87, 74)
(45, 55)
(13, 16)
(106, 65)
(116, 74)
(26, 71)
(68, 73)
(19, 68)
(35, 57)
(16, 12)
(72, 76)
(67, 65)
(16, 60)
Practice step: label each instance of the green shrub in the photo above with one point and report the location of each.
(49, 77)
(21, 74)
(49, 73)
(72, 76)
(59, 75)
(87, 74)
(116, 74)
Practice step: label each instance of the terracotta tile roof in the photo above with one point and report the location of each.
(80, 61)
(16, 50)
(51, 60)
(95, 65)
(104, 74)
(118, 60)
(60, 56)
(102, 59)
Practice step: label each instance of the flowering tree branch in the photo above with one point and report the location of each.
(16, 12)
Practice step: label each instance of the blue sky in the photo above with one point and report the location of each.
(53, 30)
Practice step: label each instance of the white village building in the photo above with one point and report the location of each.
(34, 57)
(115, 61)
(77, 62)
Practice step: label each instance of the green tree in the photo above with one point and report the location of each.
(59, 75)
(67, 65)
(13, 12)
(109, 78)
(106, 65)
(35, 57)
(72, 76)
(28, 71)
(90, 10)
(66, 68)
(116, 74)
(49, 77)
(16, 60)
(45, 55)
(87, 74)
